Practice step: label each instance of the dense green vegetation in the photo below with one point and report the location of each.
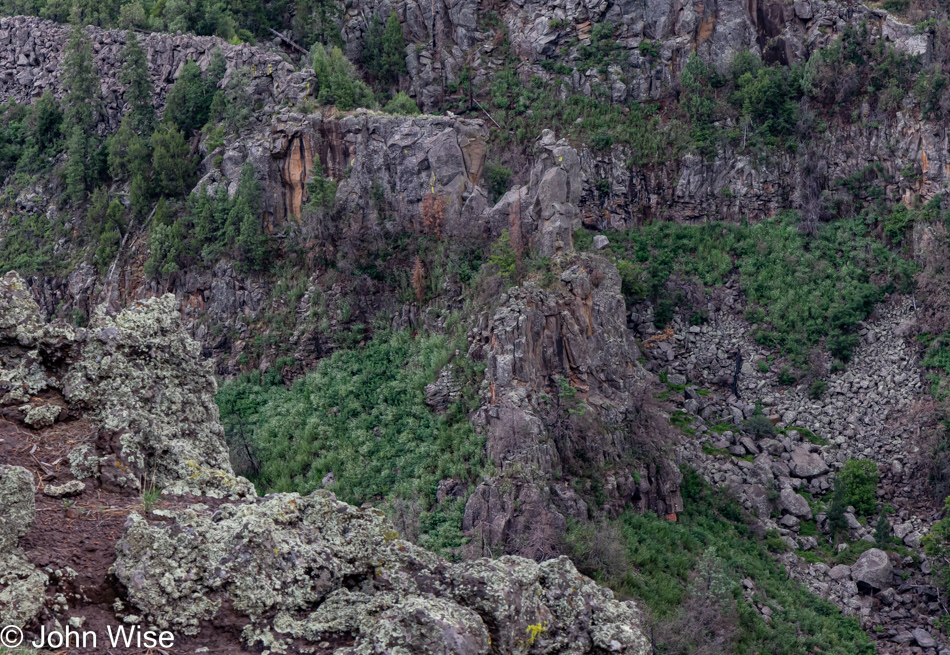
(689, 574)
(802, 291)
(361, 414)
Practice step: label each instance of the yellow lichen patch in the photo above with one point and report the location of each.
(535, 630)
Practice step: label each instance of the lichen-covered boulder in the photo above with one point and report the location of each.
(145, 381)
(17, 505)
(312, 568)
(140, 378)
(20, 317)
(425, 625)
(22, 587)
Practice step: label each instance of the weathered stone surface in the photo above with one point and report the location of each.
(17, 506)
(840, 572)
(794, 504)
(295, 558)
(138, 376)
(71, 488)
(923, 638)
(575, 331)
(22, 586)
(873, 569)
(807, 465)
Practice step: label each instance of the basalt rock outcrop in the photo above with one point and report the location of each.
(291, 568)
(136, 374)
(563, 387)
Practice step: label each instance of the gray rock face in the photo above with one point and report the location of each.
(32, 52)
(794, 504)
(574, 331)
(284, 567)
(873, 569)
(840, 572)
(807, 465)
(923, 638)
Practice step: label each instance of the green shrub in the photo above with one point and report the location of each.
(337, 81)
(896, 6)
(583, 240)
(774, 542)
(786, 377)
(402, 105)
(497, 178)
(630, 283)
(817, 389)
(806, 289)
(663, 558)
(859, 478)
(602, 140)
(648, 49)
(759, 424)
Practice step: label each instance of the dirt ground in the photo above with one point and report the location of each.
(81, 533)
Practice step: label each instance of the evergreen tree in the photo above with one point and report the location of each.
(882, 532)
(384, 52)
(111, 236)
(165, 243)
(337, 81)
(392, 62)
(217, 68)
(82, 94)
(46, 121)
(245, 214)
(172, 163)
(837, 522)
(139, 91)
(77, 166)
(139, 196)
(188, 102)
(373, 46)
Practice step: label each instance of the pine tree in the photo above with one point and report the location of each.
(172, 163)
(77, 164)
(882, 531)
(246, 213)
(373, 46)
(837, 522)
(82, 95)
(188, 102)
(46, 121)
(139, 91)
(392, 62)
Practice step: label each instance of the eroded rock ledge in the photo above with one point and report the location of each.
(313, 568)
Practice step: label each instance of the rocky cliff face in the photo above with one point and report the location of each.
(32, 52)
